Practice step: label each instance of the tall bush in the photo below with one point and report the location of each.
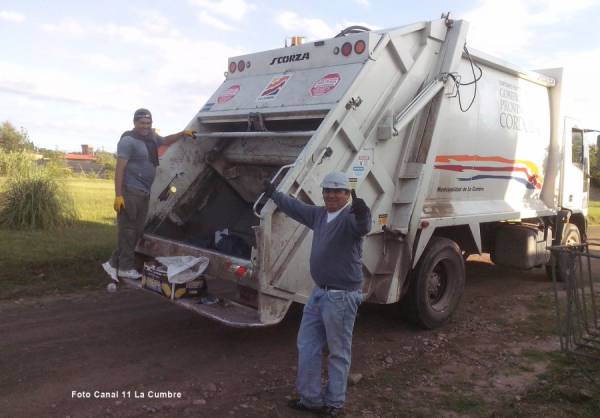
(14, 162)
(32, 198)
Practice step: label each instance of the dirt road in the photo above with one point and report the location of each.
(58, 355)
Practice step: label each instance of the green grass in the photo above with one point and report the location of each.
(569, 388)
(594, 213)
(66, 259)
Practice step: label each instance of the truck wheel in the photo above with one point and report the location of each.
(437, 284)
(571, 236)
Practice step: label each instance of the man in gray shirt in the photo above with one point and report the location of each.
(336, 267)
(137, 159)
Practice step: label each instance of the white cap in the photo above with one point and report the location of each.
(336, 180)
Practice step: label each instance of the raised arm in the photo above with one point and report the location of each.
(299, 211)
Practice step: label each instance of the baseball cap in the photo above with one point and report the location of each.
(141, 114)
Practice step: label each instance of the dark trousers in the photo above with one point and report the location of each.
(131, 221)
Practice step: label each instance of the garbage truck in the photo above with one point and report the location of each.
(455, 152)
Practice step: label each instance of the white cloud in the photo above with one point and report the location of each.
(546, 12)
(499, 27)
(212, 21)
(515, 29)
(169, 72)
(53, 86)
(11, 16)
(231, 9)
(28, 104)
(311, 28)
(105, 62)
(153, 21)
(580, 96)
(506, 27)
(67, 26)
(124, 33)
(364, 3)
(174, 57)
(172, 73)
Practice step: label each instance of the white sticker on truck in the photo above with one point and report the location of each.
(325, 84)
(274, 87)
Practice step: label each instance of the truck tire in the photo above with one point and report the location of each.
(436, 284)
(571, 236)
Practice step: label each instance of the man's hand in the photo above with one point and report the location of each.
(119, 203)
(188, 133)
(359, 207)
(268, 188)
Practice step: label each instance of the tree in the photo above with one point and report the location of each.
(108, 161)
(51, 154)
(13, 140)
(594, 169)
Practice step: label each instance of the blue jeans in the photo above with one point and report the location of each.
(328, 320)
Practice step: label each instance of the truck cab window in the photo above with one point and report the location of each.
(577, 153)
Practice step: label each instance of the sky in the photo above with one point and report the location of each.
(73, 72)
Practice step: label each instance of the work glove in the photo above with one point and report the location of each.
(188, 133)
(359, 207)
(119, 203)
(268, 188)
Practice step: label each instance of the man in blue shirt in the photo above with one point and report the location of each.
(336, 268)
(137, 159)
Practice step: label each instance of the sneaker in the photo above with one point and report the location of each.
(331, 412)
(129, 274)
(299, 406)
(111, 271)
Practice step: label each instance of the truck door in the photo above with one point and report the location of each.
(575, 187)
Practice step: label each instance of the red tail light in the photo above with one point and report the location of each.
(241, 65)
(346, 49)
(232, 67)
(241, 271)
(360, 46)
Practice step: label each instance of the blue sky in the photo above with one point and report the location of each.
(73, 72)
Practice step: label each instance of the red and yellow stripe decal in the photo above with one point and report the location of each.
(528, 168)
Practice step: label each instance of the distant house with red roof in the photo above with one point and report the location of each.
(84, 162)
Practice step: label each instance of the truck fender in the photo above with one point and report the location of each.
(468, 237)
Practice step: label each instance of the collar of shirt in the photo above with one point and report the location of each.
(332, 215)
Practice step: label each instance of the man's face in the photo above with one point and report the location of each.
(335, 199)
(143, 126)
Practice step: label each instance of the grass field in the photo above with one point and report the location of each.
(594, 213)
(58, 261)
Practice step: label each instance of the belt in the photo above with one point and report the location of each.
(328, 287)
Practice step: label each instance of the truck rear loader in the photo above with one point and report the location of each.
(454, 151)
